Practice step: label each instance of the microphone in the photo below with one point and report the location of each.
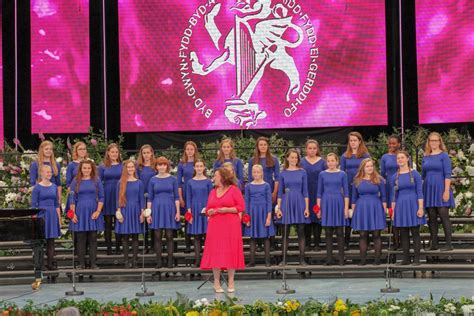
(287, 190)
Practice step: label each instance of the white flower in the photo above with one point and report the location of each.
(471, 149)
(463, 181)
(197, 304)
(2, 184)
(59, 159)
(393, 308)
(280, 303)
(468, 195)
(461, 155)
(10, 197)
(457, 171)
(15, 180)
(1, 165)
(24, 165)
(470, 170)
(458, 198)
(132, 158)
(204, 301)
(467, 309)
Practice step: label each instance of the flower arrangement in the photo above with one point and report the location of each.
(202, 307)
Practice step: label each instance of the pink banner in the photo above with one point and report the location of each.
(1, 77)
(445, 57)
(60, 65)
(212, 65)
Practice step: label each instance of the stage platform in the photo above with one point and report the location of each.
(358, 290)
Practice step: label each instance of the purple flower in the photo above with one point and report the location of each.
(94, 142)
(41, 136)
(68, 143)
(16, 141)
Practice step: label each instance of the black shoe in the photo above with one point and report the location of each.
(109, 251)
(341, 262)
(126, 264)
(159, 265)
(446, 248)
(303, 262)
(134, 264)
(187, 249)
(259, 249)
(416, 263)
(403, 263)
(317, 248)
(251, 264)
(329, 262)
(377, 262)
(362, 263)
(94, 267)
(346, 247)
(434, 247)
(268, 264)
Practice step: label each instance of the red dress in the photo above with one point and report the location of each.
(224, 247)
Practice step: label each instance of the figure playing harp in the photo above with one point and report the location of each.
(251, 51)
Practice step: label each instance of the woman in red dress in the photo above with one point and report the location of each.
(223, 249)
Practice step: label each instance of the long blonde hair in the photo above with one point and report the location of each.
(361, 151)
(123, 182)
(74, 150)
(220, 155)
(375, 178)
(107, 160)
(52, 160)
(442, 146)
(141, 160)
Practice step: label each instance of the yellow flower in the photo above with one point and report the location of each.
(215, 313)
(224, 314)
(340, 306)
(356, 313)
(192, 313)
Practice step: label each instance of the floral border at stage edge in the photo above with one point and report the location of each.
(230, 306)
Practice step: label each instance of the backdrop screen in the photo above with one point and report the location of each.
(60, 66)
(445, 57)
(1, 77)
(222, 64)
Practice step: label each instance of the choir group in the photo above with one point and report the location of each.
(340, 194)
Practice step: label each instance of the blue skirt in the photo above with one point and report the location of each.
(131, 220)
(199, 225)
(110, 199)
(404, 214)
(368, 214)
(52, 229)
(84, 210)
(332, 211)
(258, 217)
(163, 212)
(292, 209)
(433, 189)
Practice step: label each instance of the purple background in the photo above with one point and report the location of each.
(350, 87)
(445, 53)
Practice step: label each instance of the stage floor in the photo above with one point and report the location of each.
(357, 290)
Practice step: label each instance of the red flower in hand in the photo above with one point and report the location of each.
(70, 214)
(188, 216)
(316, 209)
(246, 218)
(390, 212)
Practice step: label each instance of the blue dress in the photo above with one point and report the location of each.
(388, 167)
(90, 193)
(46, 199)
(34, 173)
(258, 204)
(313, 171)
(350, 167)
(270, 174)
(135, 202)
(292, 190)
(144, 174)
(238, 168)
(332, 189)
(406, 196)
(435, 169)
(185, 173)
(369, 213)
(163, 194)
(197, 192)
(71, 173)
(110, 177)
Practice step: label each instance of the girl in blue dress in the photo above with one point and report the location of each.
(110, 172)
(45, 197)
(258, 204)
(436, 173)
(227, 154)
(87, 200)
(79, 153)
(46, 157)
(293, 201)
(185, 173)
(197, 191)
(389, 167)
(350, 161)
(146, 171)
(130, 207)
(369, 203)
(407, 204)
(313, 164)
(333, 200)
(163, 200)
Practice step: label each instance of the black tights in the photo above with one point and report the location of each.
(405, 238)
(313, 230)
(363, 244)
(340, 243)
(50, 253)
(125, 240)
(443, 213)
(159, 246)
(82, 239)
(109, 227)
(197, 249)
(301, 240)
(253, 246)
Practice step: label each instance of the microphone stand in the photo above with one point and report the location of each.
(74, 292)
(388, 278)
(285, 289)
(144, 291)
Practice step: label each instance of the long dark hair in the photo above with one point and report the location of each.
(268, 156)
